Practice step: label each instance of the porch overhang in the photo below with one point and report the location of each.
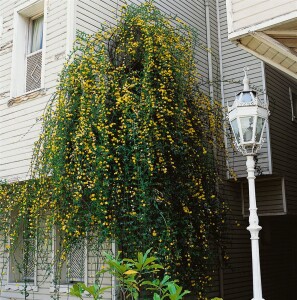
(266, 29)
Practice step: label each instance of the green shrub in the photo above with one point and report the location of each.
(136, 279)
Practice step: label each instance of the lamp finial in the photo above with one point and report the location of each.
(245, 80)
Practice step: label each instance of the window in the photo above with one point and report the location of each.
(34, 54)
(293, 99)
(28, 48)
(73, 269)
(22, 261)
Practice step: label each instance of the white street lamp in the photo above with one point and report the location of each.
(248, 116)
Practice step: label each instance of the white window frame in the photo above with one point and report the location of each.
(293, 105)
(22, 18)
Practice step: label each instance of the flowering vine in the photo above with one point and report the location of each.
(127, 152)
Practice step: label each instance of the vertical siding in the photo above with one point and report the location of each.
(234, 60)
(283, 132)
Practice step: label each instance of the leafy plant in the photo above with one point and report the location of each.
(136, 279)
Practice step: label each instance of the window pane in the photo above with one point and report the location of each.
(246, 97)
(37, 34)
(247, 124)
(235, 130)
(259, 128)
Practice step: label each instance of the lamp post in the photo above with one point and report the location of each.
(248, 116)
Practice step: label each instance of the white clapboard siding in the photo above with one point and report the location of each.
(283, 132)
(20, 123)
(247, 13)
(234, 60)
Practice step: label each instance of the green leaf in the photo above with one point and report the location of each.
(156, 297)
(171, 288)
(76, 291)
(146, 254)
(149, 260)
(140, 257)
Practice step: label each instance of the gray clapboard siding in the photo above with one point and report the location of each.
(91, 14)
(277, 246)
(237, 279)
(214, 51)
(270, 194)
(283, 129)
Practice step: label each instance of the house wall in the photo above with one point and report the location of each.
(20, 125)
(233, 60)
(90, 14)
(20, 118)
(275, 240)
(283, 132)
(271, 196)
(248, 13)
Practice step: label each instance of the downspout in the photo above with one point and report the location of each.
(221, 270)
(268, 123)
(209, 58)
(211, 91)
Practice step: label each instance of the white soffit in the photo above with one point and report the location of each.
(278, 48)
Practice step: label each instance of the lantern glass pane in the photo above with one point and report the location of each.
(246, 97)
(247, 125)
(235, 129)
(259, 128)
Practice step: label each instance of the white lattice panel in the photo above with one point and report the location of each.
(33, 73)
(76, 263)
